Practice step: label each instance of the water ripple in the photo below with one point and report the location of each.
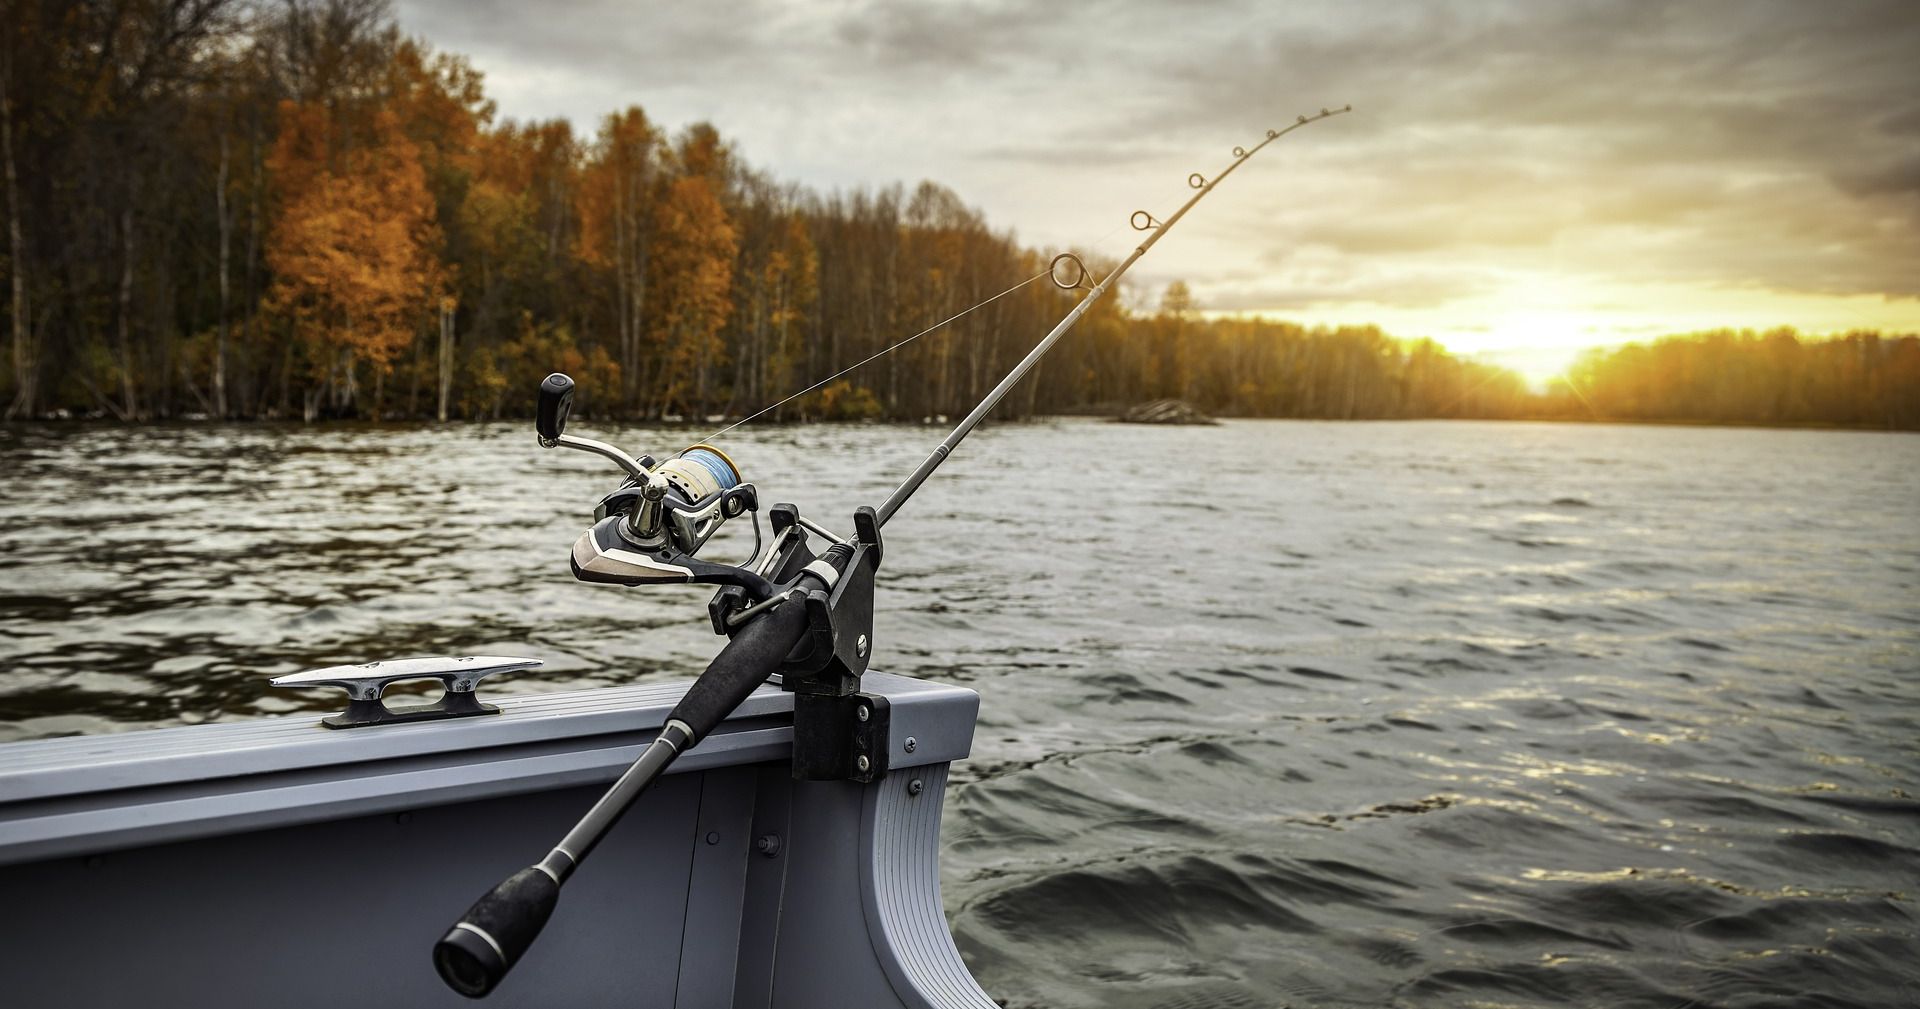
(1408, 714)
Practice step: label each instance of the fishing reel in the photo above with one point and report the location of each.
(649, 529)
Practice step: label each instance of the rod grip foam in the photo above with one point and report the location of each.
(754, 654)
(476, 953)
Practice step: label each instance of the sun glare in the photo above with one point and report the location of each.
(1537, 345)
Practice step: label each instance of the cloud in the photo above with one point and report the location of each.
(1387, 289)
(1766, 144)
(1900, 176)
(965, 37)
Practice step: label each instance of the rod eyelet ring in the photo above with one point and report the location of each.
(1142, 221)
(1197, 181)
(1239, 152)
(1079, 275)
(1300, 118)
(1272, 134)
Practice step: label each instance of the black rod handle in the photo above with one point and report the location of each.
(478, 951)
(755, 652)
(490, 938)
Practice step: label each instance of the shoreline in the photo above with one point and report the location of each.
(348, 423)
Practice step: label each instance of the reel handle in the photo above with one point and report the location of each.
(550, 414)
(555, 403)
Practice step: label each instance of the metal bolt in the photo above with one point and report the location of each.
(916, 786)
(863, 712)
(860, 646)
(912, 744)
(768, 845)
(863, 763)
(403, 818)
(713, 837)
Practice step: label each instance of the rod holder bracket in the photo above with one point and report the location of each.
(823, 671)
(843, 738)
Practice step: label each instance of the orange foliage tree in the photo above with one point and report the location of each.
(354, 249)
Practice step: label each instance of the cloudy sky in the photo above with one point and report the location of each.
(1518, 178)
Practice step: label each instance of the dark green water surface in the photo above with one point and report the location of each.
(1274, 713)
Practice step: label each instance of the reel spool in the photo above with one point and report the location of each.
(700, 472)
(682, 502)
(703, 490)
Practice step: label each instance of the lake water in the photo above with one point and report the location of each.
(1274, 713)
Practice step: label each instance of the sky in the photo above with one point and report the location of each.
(1517, 180)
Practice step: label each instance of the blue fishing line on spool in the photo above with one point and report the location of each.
(723, 473)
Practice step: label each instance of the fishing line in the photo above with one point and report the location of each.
(763, 411)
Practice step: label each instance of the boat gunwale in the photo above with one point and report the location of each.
(78, 795)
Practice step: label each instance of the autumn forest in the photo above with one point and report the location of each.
(223, 209)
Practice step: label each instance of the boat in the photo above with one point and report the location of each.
(276, 862)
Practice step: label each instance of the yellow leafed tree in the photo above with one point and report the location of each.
(790, 280)
(693, 270)
(616, 193)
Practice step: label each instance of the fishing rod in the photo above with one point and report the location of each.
(788, 610)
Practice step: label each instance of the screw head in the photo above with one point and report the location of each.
(768, 845)
(863, 712)
(916, 786)
(912, 744)
(713, 837)
(860, 646)
(863, 763)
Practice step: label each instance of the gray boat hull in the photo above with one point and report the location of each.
(279, 863)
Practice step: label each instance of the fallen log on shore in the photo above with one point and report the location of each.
(1165, 411)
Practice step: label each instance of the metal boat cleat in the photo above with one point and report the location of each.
(365, 683)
